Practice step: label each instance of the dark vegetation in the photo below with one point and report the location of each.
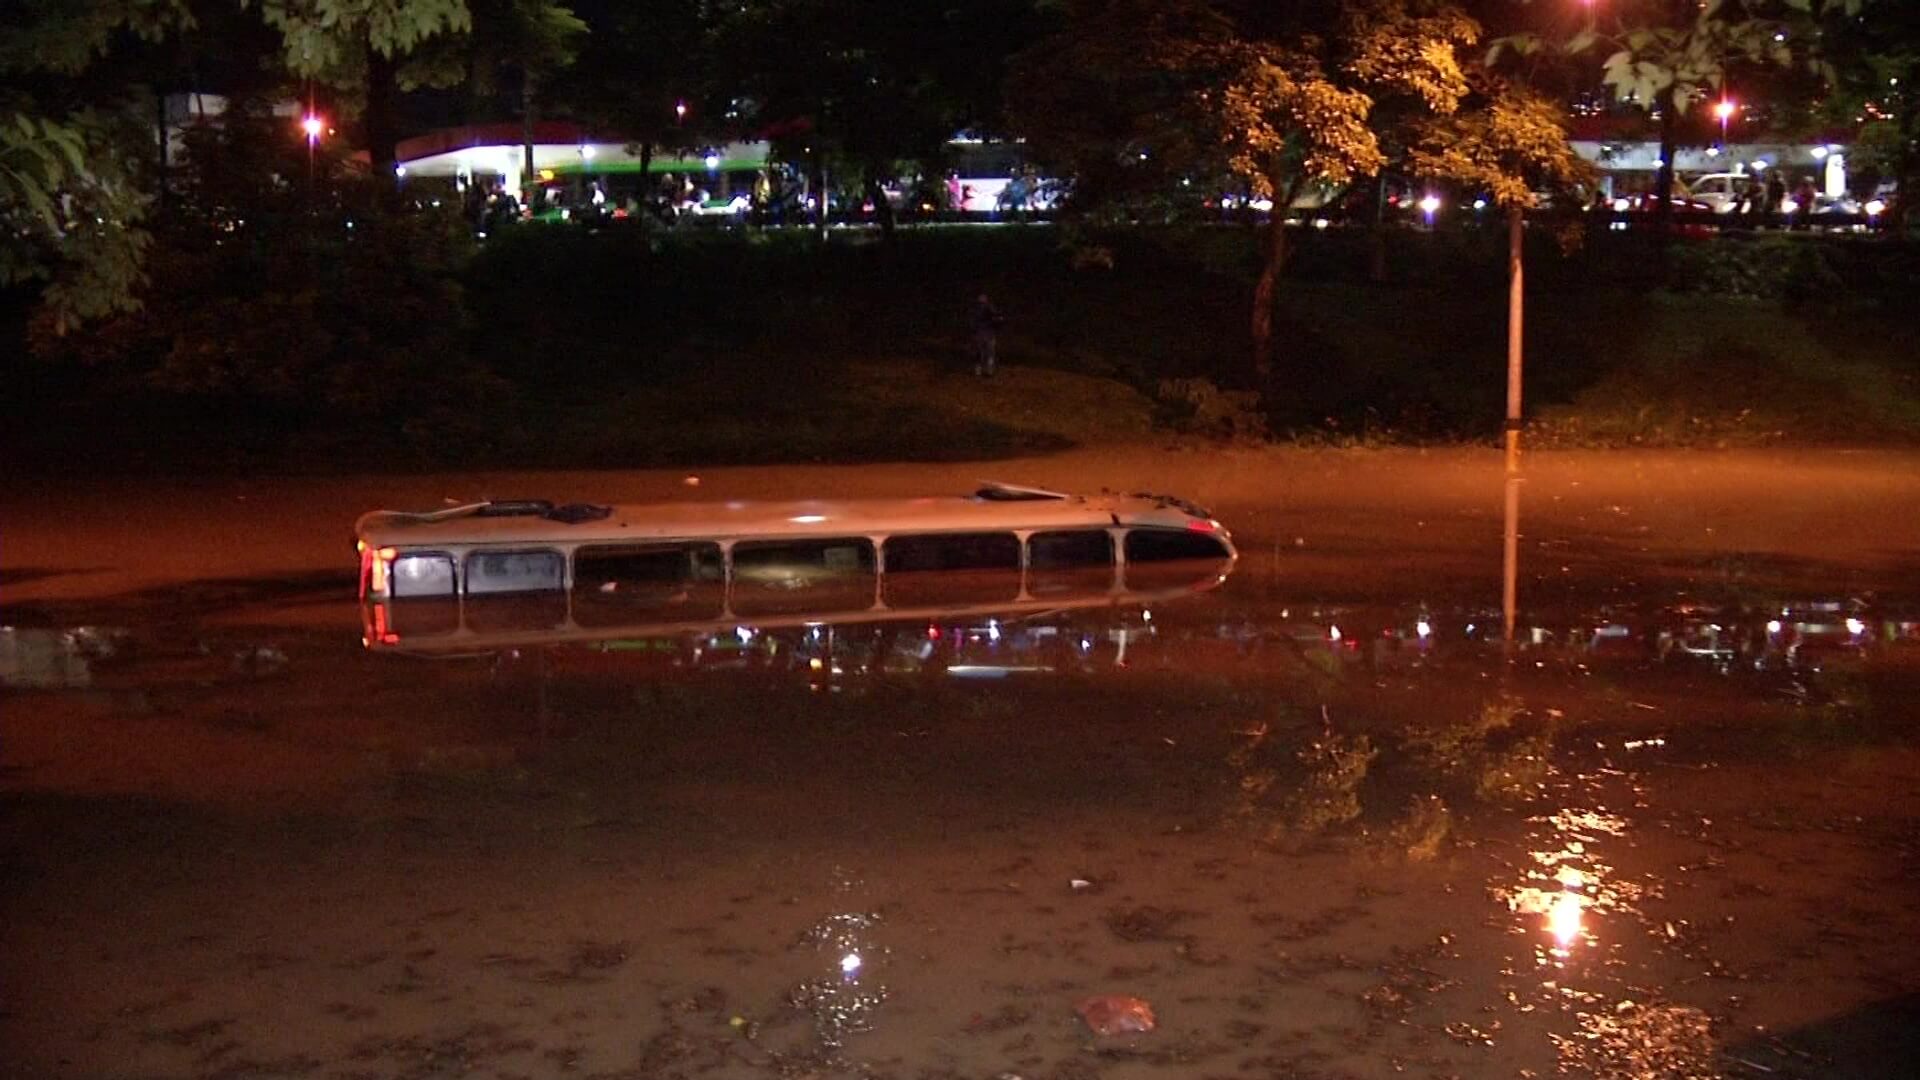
(408, 346)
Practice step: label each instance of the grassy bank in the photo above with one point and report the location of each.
(629, 349)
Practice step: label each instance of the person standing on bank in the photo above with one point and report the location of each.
(1776, 196)
(986, 326)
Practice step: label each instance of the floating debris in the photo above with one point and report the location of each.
(33, 658)
(259, 661)
(1641, 1042)
(1116, 1014)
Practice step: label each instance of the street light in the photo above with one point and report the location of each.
(313, 126)
(1724, 110)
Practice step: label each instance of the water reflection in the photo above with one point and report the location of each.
(1133, 631)
(843, 999)
(1567, 880)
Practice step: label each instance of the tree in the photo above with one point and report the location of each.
(1280, 97)
(1871, 50)
(1664, 56)
(70, 205)
(649, 72)
(1503, 139)
(523, 41)
(869, 86)
(71, 214)
(77, 134)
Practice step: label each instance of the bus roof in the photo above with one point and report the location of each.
(993, 507)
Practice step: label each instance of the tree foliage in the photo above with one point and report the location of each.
(286, 299)
(638, 65)
(1667, 56)
(72, 217)
(1872, 53)
(1278, 100)
(1505, 139)
(323, 37)
(867, 85)
(70, 205)
(502, 40)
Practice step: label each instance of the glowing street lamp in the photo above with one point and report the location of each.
(312, 125)
(1429, 206)
(1724, 110)
(679, 111)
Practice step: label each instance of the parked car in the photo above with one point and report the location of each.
(1720, 192)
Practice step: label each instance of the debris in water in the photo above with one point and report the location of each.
(1116, 1014)
(100, 642)
(259, 660)
(45, 659)
(1636, 1041)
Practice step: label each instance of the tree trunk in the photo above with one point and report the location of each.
(1377, 235)
(820, 197)
(379, 127)
(882, 209)
(1905, 166)
(1275, 258)
(528, 178)
(646, 181)
(160, 198)
(1663, 178)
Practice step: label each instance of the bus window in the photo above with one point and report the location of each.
(613, 585)
(951, 568)
(491, 572)
(794, 577)
(1173, 558)
(421, 575)
(1076, 563)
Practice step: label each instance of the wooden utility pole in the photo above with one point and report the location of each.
(1516, 304)
(1510, 563)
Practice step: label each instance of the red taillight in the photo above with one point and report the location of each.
(1201, 525)
(933, 633)
(380, 631)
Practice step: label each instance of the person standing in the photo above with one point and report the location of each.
(1804, 197)
(986, 328)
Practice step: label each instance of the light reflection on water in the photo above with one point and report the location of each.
(1566, 882)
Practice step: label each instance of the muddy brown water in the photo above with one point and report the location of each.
(1322, 818)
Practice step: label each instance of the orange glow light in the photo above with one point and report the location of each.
(1563, 918)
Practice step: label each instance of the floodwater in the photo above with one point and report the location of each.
(1335, 816)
